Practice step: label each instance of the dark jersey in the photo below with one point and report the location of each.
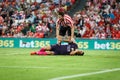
(63, 49)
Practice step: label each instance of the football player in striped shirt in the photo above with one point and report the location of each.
(64, 27)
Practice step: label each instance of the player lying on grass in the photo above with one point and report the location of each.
(68, 49)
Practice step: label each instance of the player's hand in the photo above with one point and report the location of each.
(73, 40)
(72, 53)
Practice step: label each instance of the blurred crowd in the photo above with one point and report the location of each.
(30, 18)
(100, 19)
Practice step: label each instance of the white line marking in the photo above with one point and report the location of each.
(7, 54)
(24, 67)
(85, 74)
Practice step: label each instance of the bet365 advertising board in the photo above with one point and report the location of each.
(84, 44)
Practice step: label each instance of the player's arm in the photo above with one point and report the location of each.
(57, 31)
(72, 31)
(59, 38)
(76, 52)
(73, 52)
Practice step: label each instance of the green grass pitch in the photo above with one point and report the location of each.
(18, 64)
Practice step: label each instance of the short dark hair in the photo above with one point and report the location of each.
(62, 11)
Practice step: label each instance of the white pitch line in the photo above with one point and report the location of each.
(13, 54)
(85, 74)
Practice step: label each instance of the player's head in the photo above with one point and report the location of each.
(61, 12)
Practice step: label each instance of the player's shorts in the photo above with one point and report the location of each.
(64, 30)
(55, 49)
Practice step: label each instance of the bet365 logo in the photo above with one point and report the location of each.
(107, 45)
(33, 44)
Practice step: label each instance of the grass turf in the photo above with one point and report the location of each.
(18, 64)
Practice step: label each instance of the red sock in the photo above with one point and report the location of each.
(42, 49)
(42, 53)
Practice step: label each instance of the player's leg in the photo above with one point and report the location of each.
(50, 52)
(45, 53)
(42, 50)
(62, 33)
(70, 33)
(46, 48)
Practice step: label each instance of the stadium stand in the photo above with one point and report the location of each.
(100, 19)
(30, 18)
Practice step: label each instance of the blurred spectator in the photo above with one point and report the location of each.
(100, 19)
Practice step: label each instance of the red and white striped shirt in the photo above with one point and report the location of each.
(67, 21)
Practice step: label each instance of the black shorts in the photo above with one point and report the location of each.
(65, 30)
(55, 49)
